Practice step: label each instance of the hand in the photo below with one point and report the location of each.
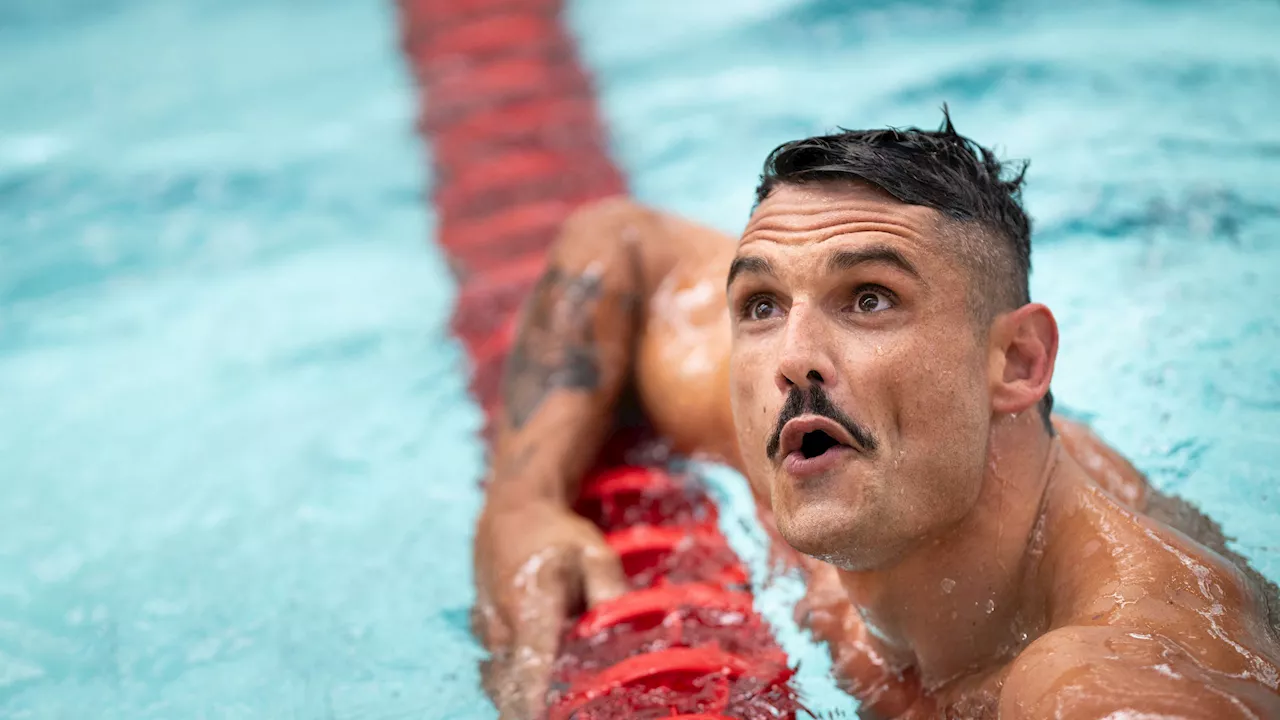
(536, 562)
(858, 660)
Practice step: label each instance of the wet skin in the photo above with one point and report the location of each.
(971, 563)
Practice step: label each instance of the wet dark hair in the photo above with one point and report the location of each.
(939, 169)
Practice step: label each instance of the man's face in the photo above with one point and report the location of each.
(859, 380)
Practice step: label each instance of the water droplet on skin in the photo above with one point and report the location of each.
(990, 606)
(948, 585)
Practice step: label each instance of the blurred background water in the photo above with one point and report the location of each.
(237, 460)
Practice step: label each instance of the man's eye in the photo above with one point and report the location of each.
(760, 308)
(870, 301)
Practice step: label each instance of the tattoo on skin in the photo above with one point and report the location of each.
(556, 347)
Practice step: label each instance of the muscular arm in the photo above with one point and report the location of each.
(535, 559)
(579, 338)
(574, 352)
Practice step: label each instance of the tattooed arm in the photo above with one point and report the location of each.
(572, 355)
(535, 558)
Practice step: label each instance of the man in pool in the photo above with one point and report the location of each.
(878, 372)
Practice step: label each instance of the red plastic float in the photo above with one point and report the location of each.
(648, 608)
(517, 146)
(661, 555)
(624, 496)
(703, 680)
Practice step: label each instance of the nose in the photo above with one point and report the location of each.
(803, 360)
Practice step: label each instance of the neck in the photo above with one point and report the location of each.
(968, 597)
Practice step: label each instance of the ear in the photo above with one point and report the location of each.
(1023, 348)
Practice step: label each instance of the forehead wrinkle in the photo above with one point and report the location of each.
(821, 234)
(823, 226)
(803, 215)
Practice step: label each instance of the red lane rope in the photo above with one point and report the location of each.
(517, 146)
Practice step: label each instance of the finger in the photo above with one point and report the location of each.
(602, 574)
(802, 612)
(528, 674)
(493, 672)
(494, 635)
(487, 626)
(546, 589)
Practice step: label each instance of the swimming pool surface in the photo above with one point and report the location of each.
(238, 463)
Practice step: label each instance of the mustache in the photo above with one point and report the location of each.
(816, 401)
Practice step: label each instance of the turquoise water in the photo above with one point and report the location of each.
(238, 459)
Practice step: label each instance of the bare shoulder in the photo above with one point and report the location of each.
(1083, 672)
(1170, 528)
(1145, 620)
(1106, 466)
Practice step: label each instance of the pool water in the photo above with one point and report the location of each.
(238, 460)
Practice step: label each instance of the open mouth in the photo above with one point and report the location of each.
(815, 443)
(812, 436)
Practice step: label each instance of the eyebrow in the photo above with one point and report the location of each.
(749, 264)
(883, 254)
(839, 261)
